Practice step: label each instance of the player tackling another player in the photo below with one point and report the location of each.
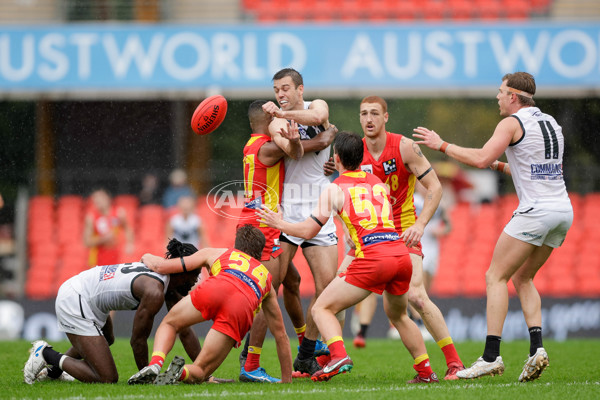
(382, 263)
(247, 283)
(534, 146)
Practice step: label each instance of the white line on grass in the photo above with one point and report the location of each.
(323, 390)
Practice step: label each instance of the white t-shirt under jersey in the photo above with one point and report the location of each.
(536, 162)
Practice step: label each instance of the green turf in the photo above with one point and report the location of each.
(380, 372)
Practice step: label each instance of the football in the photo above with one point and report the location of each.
(209, 114)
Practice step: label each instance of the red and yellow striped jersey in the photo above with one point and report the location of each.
(367, 213)
(263, 184)
(391, 170)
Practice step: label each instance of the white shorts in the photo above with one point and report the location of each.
(74, 314)
(327, 235)
(431, 254)
(540, 227)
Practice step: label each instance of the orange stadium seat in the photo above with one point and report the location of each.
(460, 9)
(488, 9)
(433, 10)
(516, 9)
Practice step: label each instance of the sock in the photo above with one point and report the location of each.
(253, 360)
(447, 347)
(422, 366)
(52, 356)
(535, 339)
(54, 372)
(307, 349)
(492, 348)
(185, 374)
(363, 330)
(336, 347)
(300, 333)
(245, 349)
(158, 358)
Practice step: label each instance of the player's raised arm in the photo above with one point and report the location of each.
(285, 135)
(276, 326)
(203, 257)
(504, 134)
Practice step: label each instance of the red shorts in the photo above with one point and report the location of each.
(221, 301)
(272, 247)
(391, 273)
(416, 249)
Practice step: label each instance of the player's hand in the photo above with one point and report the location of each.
(269, 217)
(428, 137)
(273, 109)
(412, 236)
(151, 261)
(329, 167)
(291, 131)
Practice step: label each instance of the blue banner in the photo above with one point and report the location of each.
(161, 58)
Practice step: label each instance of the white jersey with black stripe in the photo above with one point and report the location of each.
(109, 287)
(536, 162)
(304, 178)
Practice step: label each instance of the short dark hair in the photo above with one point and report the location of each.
(255, 112)
(250, 240)
(376, 100)
(521, 81)
(349, 147)
(292, 73)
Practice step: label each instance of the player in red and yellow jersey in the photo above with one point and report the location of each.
(102, 230)
(399, 162)
(247, 285)
(382, 263)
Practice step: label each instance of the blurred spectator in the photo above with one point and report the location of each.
(178, 187)
(104, 224)
(1, 201)
(150, 192)
(185, 225)
(455, 183)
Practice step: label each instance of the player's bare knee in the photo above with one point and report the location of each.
(417, 299)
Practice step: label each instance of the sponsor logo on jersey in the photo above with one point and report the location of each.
(546, 172)
(389, 166)
(108, 272)
(380, 237)
(367, 168)
(253, 204)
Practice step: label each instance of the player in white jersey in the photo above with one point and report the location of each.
(534, 147)
(186, 225)
(303, 184)
(83, 304)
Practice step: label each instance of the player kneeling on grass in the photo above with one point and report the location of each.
(237, 287)
(382, 263)
(83, 304)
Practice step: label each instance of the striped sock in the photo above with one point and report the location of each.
(158, 358)
(300, 333)
(336, 347)
(253, 360)
(447, 347)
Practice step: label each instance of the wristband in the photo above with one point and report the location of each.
(183, 264)
(501, 166)
(444, 146)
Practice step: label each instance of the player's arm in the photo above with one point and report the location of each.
(331, 198)
(286, 137)
(186, 335)
(321, 141)
(501, 166)
(150, 293)
(419, 166)
(316, 114)
(505, 133)
(276, 326)
(203, 257)
(89, 239)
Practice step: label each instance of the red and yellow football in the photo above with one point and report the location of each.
(209, 114)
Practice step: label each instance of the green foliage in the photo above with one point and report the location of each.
(380, 372)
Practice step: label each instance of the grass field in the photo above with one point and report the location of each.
(380, 372)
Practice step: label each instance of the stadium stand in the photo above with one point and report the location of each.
(56, 251)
